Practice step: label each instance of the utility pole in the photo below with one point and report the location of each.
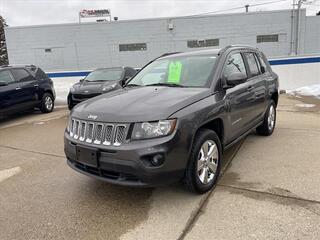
(247, 8)
(299, 4)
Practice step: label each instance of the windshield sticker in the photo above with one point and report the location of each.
(174, 74)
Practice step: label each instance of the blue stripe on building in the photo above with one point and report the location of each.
(274, 62)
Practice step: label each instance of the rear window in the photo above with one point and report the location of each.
(253, 66)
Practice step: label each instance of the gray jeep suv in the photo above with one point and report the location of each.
(174, 119)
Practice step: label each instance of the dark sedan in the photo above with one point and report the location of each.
(100, 81)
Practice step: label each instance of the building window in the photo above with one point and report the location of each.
(267, 38)
(48, 50)
(133, 47)
(203, 43)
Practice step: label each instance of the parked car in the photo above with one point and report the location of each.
(174, 119)
(24, 87)
(100, 81)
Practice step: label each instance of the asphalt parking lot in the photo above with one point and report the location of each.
(269, 188)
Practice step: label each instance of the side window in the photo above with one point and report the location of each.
(5, 77)
(21, 75)
(234, 64)
(262, 62)
(254, 69)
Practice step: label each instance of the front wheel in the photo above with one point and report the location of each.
(47, 103)
(269, 121)
(204, 165)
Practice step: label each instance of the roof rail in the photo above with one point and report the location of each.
(235, 45)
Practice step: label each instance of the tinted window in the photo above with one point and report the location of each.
(5, 77)
(262, 62)
(235, 64)
(21, 75)
(254, 69)
(203, 43)
(133, 47)
(267, 38)
(41, 74)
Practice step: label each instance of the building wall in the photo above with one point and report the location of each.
(92, 45)
(312, 38)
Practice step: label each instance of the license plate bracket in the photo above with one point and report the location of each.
(87, 156)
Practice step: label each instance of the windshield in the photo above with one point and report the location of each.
(104, 75)
(188, 71)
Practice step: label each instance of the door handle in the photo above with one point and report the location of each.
(250, 88)
(18, 88)
(36, 85)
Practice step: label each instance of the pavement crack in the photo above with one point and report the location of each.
(203, 203)
(31, 151)
(271, 194)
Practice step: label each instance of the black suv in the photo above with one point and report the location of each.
(23, 88)
(100, 81)
(174, 119)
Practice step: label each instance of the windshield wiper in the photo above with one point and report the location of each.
(166, 84)
(132, 85)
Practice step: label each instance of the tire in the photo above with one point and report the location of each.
(194, 178)
(269, 121)
(70, 104)
(47, 103)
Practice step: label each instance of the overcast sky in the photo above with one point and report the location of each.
(34, 12)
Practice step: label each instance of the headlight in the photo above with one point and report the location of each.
(108, 88)
(69, 124)
(153, 129)
(72, 89)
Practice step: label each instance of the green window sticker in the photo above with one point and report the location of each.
(175, 69)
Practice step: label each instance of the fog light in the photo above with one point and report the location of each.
(157, 160)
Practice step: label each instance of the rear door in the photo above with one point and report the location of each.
(257, 85)
(238, 98)
(28, 86)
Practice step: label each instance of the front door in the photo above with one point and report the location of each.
(238, 98)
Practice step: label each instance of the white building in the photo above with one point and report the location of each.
(135, 42)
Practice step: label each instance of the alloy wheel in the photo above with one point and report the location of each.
(207, 162)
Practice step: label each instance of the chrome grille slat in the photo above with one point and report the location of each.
(82, 131)
(98, 133)
(90, 132)
(108, 134)
(119, 135)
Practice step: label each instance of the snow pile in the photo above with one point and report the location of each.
(62, 87)
(312, 90)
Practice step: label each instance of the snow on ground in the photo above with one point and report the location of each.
(312, 90)
(305, 105)
(62, 86)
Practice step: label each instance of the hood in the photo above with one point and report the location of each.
(86, 87)
(138, 104)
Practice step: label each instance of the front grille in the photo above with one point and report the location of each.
(99, 133)
(85, 96)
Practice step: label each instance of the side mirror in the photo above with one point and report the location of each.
(263, 70)
(81, 80)
(236, 78)
(3, 84)
(126, 79)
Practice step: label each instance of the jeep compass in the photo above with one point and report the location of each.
(174, 119)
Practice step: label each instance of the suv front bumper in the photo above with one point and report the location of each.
(130, 163)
